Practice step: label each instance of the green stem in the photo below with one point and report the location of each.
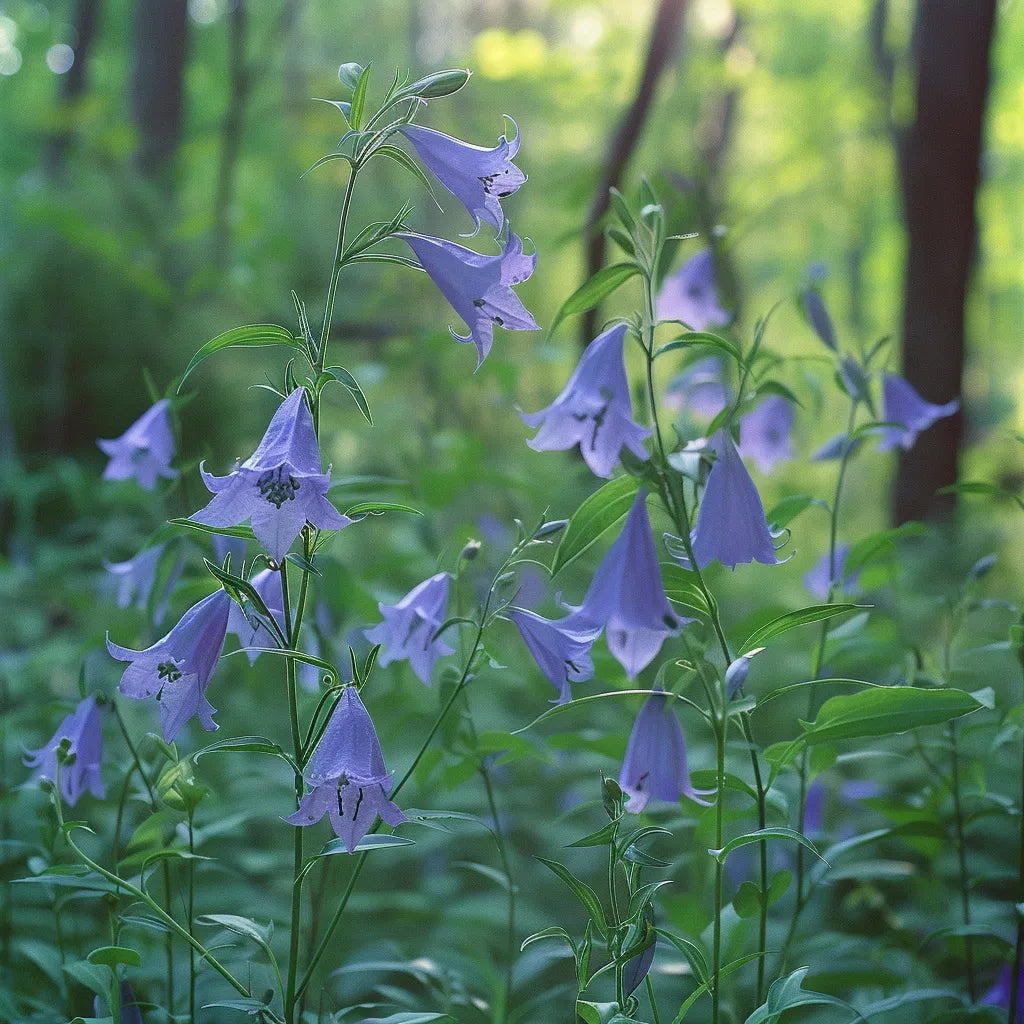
(961, 852)
(506, 865)
(336, 268)
(191, 918)
(1018, 951)
(654, 1002)
(716, 952)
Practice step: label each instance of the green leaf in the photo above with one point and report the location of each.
(812, 613)
(375, 508)
(787, 993)
(789, 508)
(598, 513)
(306, 659)
(245, 926)
(885, 711)
(91, 976)
(681, 588)
(111, 956)
(254, 744)
(604, 836)
(342, 376)
(348, 74)
(747, 901)
(355, 114)
(642, 897)
(553, 932)
(411, 1018)
(871, 546)
(583, 893)
(559, 709)
(245, 532)
(253, 336)
(403, 159)
(375, 841)
(690, 338)
(775, 832)
(596, 1013)
(917, 995)
(598, 288)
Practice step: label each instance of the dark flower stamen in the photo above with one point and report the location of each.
(276, 487)
(169, 671)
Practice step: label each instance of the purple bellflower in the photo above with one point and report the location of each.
(902, 404)
(627, 598)
(561, 651)
(730, 523)
(135, 579)
(255, 633)
(407, 631)
(347, 776)
(479, 288)
(999, 994)
(765, 433)
(279, 487)
(836, 447)
(130, 1012)
(224, 545)
(819, 580)
(593, 410)
(699, 389)
(478, 177)
(655, 762)
(84, 732)
(818, 316)
(690, 295)
(144, 451)
(177, 669)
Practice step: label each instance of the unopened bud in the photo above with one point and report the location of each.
(471, 550)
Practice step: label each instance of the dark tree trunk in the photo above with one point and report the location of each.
(160, 35)
(662, 45)
(72, 83)
(940, 155)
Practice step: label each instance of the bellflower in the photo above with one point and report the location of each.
(177, 669)
(478, 177)
(836, 447)
(902, 404)
(254, 633)
(144, 451)
(348, 778)
(561, 651)
(84, 732)
(690, 295)
(479, 288)
(817, 315)
(130, 1012)
(765, 433)
(135, 579)
(627, 598)
(699, 389)
(999, 994)
(819, 580)
(279, 487)
(730, 523)
(224, 545)
(655, 762)
(407, 631)
(594, 409)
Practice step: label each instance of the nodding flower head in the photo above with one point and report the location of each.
(479, 288)
(765, 433)
(594, 409)
(348, 779)
(478, 177)
(561, 651)
(902, 404)
(690, 294)
(407, 632)
(84, 733)
(280, 487)
(144, 451)
(177, 669)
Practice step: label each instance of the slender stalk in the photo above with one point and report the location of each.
(1018, 950)
(716, 952)
(961, 852)
(506, 865)
(191, 917)
(336, 267)
(654, 1002)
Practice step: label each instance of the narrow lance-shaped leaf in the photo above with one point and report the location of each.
(598, 513)
(598, 288)
(253, 336)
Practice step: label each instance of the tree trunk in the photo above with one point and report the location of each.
(160, 34)
(940, 170)
(664, 34)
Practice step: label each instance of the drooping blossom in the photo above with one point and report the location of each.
(819, 580)
(135, 579)
(730, 522)
(594, 409)
(479, 288)
(655, 762)
(144, 451)
(690, 294)
(562, 651)
(130, 1012)
(765, 433)
(736, 675)
(280, 487)
(699, 389)
(253, 632)
(836, 447)
(84, 732)
(347, 775)
(818, 316)
(626, 595)
(1001, 991)
(902, 404)
(176, 670)
(407, 632)
(478, 177)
